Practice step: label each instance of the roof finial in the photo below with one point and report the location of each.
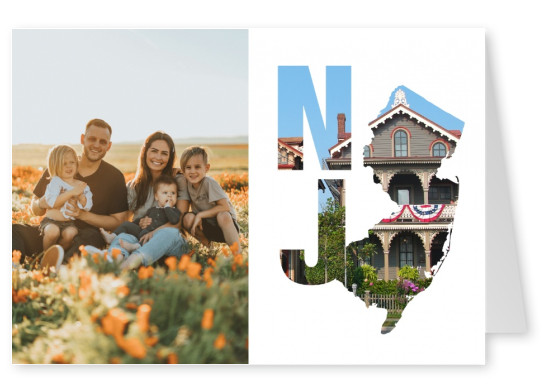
(400, 98)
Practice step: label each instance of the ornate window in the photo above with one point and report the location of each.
(282, 158)
(439, 149)
(406, 251)
(400, 144)
(440, 194)
(367, 151)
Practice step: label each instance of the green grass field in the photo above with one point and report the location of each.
(223, 158)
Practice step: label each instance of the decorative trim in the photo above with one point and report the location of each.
(287, 147)
(400, 98)
(336, 148)
(401, 109)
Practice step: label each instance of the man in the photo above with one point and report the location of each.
(110, 207)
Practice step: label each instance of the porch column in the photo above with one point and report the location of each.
(427, 250)
(386, 246)
(292, 266)
(426, 181)
(427, 261)
(384, 181)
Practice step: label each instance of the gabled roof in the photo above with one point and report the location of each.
(340, 145)
(401, 109)
(457, 133)
(291, 140)
(294, 151)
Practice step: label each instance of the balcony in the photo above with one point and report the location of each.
(422, 214)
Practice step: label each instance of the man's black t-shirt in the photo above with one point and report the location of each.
(107, 187)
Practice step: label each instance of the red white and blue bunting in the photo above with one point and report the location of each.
(395, 215)
(423, 213)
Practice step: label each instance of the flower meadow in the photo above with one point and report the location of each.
(188, 310)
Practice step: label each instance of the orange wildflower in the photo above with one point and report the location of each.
(83, 251)
(114, 322)
(211, 262)
(133, 346)
(115, 360)
(72, 289)
(85, 284)
(238, 259)
(208, 318)
(123, 290)
(58, 288)
(37, 276)
(33, 295)
(194, 270)
(21, 295)
(59, 359)
(145, 272)
(234, 248)
(225, 251)
(15, 256)
(151, 341)
(220, 341)
(172, 358)
(208, 280)
(115, 252)
(95, 257)
(171, 263)
(94, 317)
(143, 317)
(207, 276)
(131, 306)
(184, 262)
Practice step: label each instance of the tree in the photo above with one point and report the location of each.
(331, 236)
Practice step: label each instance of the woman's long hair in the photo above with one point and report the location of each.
(143, 180)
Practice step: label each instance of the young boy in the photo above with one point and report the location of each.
(213, 217)
(165, 189)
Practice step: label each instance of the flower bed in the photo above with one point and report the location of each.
(191, 310)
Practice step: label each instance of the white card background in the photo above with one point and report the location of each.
(296, 324)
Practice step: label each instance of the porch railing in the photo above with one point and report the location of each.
(392, 303)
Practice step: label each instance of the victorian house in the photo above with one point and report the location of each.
(405, 153)
(289, 153)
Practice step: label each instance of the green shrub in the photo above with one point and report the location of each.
(424, 283)
(364, 277)
(381, 287)
(409, 273)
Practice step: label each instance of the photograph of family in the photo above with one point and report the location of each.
(130, 196)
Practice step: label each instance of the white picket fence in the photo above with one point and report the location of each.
(392, 303)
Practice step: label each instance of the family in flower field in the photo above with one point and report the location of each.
(85, 202)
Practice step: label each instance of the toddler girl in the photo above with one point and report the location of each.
(62, 189)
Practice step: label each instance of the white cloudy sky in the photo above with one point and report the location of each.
(189, 83)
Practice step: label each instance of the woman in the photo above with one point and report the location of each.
(156, 159)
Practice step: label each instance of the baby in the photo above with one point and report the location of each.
(165, 189)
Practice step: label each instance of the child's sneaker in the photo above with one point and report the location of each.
(53, 257)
